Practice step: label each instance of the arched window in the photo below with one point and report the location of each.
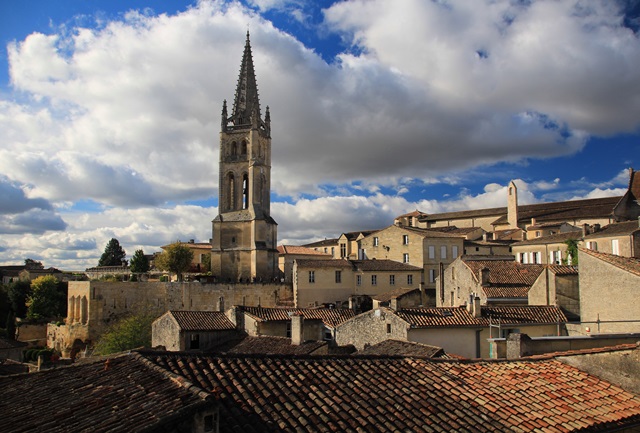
(234, 148)
(244, 147)
(231, 191)
(245, 191)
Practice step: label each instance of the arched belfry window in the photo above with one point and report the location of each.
(234, 148)
(244, 147)
(245, 191)
(231, 191)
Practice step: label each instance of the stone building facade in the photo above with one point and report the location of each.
(94, 305)
(244, 233)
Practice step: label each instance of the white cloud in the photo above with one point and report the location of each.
(127, 114)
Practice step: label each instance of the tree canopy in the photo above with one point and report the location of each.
(18, 293)
(113, 254)
(32, 264)
(46, 299)
(572, 252)
(176, 258)
(139, 263)
(128, 333)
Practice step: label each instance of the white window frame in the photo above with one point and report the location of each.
(432, 275)
(615, 247)
(376, 241)
(405, 258)
(454, 251)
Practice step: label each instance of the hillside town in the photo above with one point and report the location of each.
(516, 318)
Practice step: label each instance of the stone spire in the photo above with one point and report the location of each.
(246, 105)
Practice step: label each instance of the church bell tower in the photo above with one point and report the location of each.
(244, 234)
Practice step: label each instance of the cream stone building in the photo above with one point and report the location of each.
(317, 282)
(287, 254)
(609, 293)
(620, 239)
(244, 233)
(349, 245)
(462, 331)
(551, 249)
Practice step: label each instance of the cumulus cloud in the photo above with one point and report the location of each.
(126, 113)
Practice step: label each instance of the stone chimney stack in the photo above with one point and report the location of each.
(477, 310)
(484, 276)
(297, 329)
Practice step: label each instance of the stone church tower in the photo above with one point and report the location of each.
(244, 234)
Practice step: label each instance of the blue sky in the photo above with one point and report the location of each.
(109, 113)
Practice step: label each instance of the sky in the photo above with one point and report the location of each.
(110, 113)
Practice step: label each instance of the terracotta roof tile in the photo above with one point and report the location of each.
(396, 293)
(403, 348)
(504, 272)
(551, 239)
(445, 317)
(288, 394)
(329, 316)
(202, 320)
(511, 292)
(268, 345)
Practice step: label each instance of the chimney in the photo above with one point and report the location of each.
(533, 221)
(297, 329)
(596, 228)
(585, 229)
(484, 276)
(477, 310)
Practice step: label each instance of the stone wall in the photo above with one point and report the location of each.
(32, 334)
(371, 328)
(459, 284)
(608, 295)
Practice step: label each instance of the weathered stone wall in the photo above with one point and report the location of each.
(166, 332)
(459, 284)
(608, 294)
(33, 334)
(567, 289)
(371, 328)
(391, 246)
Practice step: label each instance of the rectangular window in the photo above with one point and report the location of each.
(432, 252)
(592, 246)
(375, 241)
(289, 329)
(343, 250)
(312, 276)
(615, 247)
(556, 257)
(454, 251)
(338, 277)
(409, 279)
(374, 280)
(535, 258)
(392, 280)
(405, 258)
(405, 240)
(410, 221)
(443, 252)
(358, 280)
(388, 328)
(195, 341)
(432, 275)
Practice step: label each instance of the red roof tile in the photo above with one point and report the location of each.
(329, 316)
(628, 264)
(202, 320)
(504, 272)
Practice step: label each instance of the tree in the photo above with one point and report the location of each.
(176, 258)
(45, 299)
(128, 333)
(32, 264)
(18, 293)
(113, 254)
(572, 252)
(139, 263)
(205, 263)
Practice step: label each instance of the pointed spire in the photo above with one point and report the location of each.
(225, 116)
(246, 104)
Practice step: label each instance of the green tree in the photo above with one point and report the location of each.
(11, 326)
(139, 263)
(113, 254)
(128, 333)
(45, 298)
(572, 252)
(18, 293)
(32, 264)
(176, 258)
(205, 266)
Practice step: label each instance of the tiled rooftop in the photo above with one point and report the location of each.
(268, 345)
(292, 249)
(624, 228)
(329, 316)
(382, 265)
(564, 269)
(628, 264)
(505, 272)
(7, 343)
(393, 394)
(510, 292)
(446, 317)
(403, 348)
(202, 320)
(558, 238)
(130, 395)
(322, 243)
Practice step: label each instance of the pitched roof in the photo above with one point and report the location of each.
(505, 272)
(403, 348)
(322, 243)
(447, 317)
(267, 345)
(385, 394)
(551, 239)
(396, 293)
(293, 249)
(319, 263)
(202, 320)
(517, 292)
(624, 228)
(628, 264)
(131, 394)
(564, 269)
(329, 316)
(352, 236)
